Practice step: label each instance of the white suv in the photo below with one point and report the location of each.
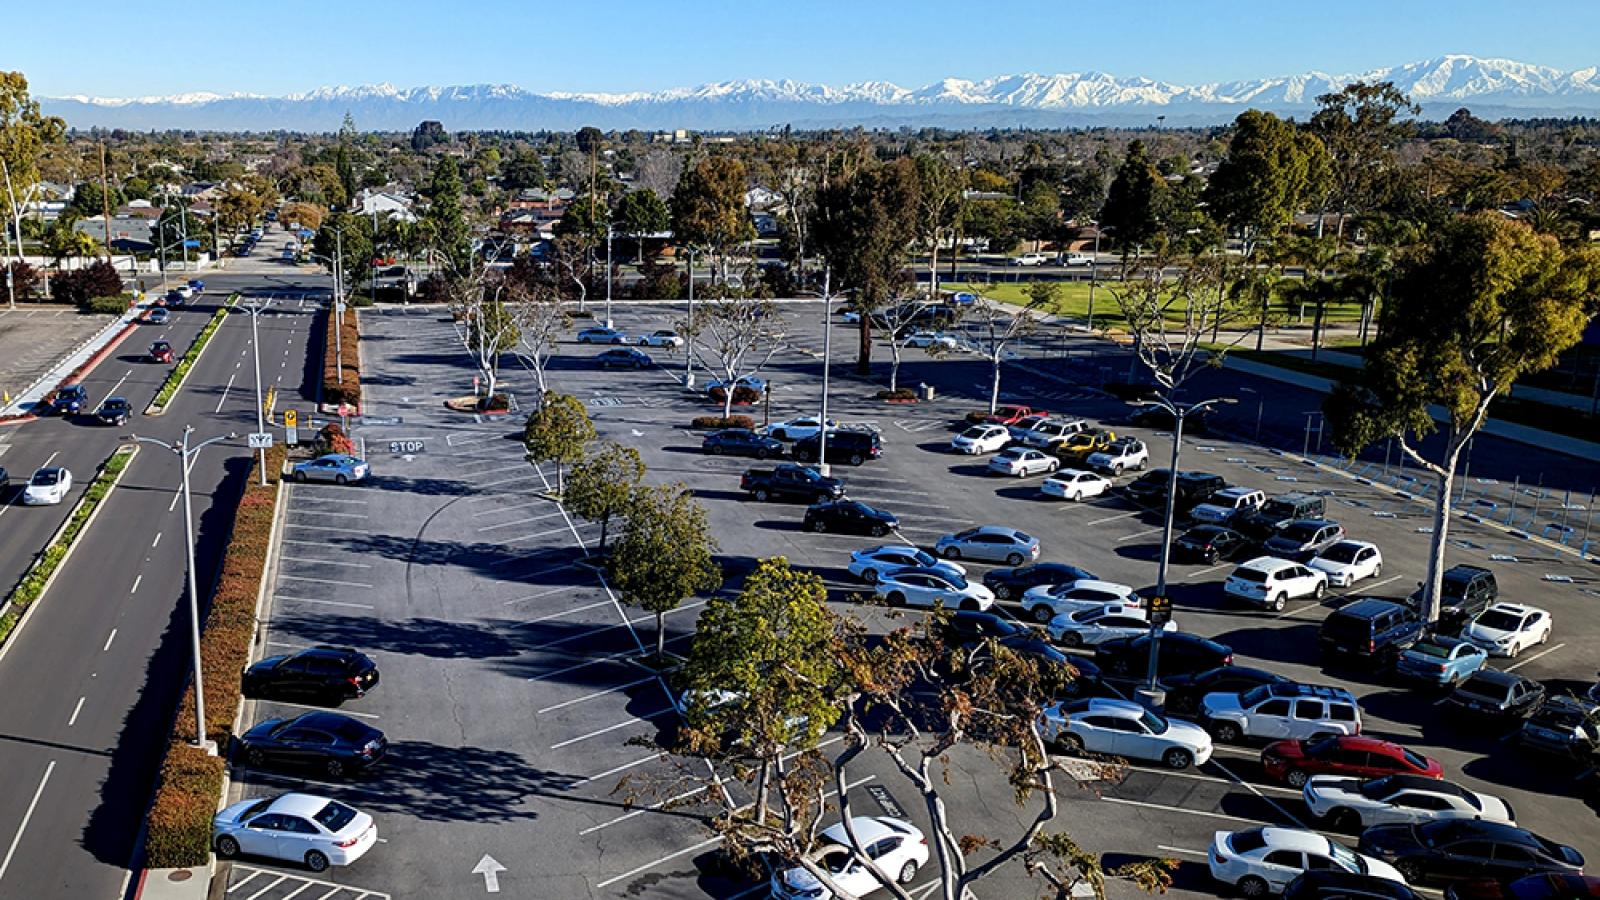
(1281, 712)
(1051, 431)
(1122, 455)
(1271, 582)
(1227, 503)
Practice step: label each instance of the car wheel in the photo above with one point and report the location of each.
(1069, 744)
(583, 340)
(1377, 570)
(1178, 758)
(819, 526)
(908, 872)
(897, 599)
(1002, 592)
(617, 341)
(1014, 560)
(227, 847)
(761, 494)
(300, 477)
(1514, 652)
(716, 450)
(317, 861)
(1543, 638)
(254, 756)
(1071, 639)
(1022, 473)
(856, 459)
(334, 768)
(761, 453)
(1226, 732)
(340, 479)
(1276, 603)
(1410, 870)
(1052, 467)
(1076, 497)
(1319, 591)
(803, 455)
(1041, 614)
(1116, 469)
(1343, 819)
(880, 530)
(1296, 778)
(870, 576)
(1121, 668)
(1253, 886)
(952, 553)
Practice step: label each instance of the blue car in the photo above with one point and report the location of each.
(1440, 660)
(197, 285)
(70, 400)
(335, 467)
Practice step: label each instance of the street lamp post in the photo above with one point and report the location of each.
(255, 344)
(338, 305)
(688, 338)
(609, 271)
(186, 456)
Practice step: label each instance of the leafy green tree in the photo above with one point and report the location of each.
(1272, 171)
(525, 170)
(307, 215)
(1132, 208)
(603, 483)
(445, 222)
(557, 432)
(639, 213)
(88, 199)
(24, 134)
(347, 236)
(64, 241)
(238, 207)
(708, 209)
(1361, 126)
(664, 554)
(1483, 303)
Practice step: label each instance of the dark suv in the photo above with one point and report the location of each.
(1370, 631)
(1468, 590)
(1259, 524)
(328, 674)
(845, 445)
(1194, 488)
(1564, 726)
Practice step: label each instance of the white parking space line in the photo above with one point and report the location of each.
(311, 498)
(1178, 809)
(548, 532)
(554, 590)
(1298, 610)
(355, 584)
(510, 506)
(1138, 534)
(26, 816)
(590, 696)
(325, 562)
(248, 878)
(1533, 658)
(1209, 570)
(342, 710)
(1252, 789)
(617, 658)
(490, 484)
(335, 515)
(632, 721)
(318, 528)
(515, 522)
(274, 883)
(340, 603)
(297, 891)
(1126, 515)
(618, 769)
(520, 467)
(1184, 850)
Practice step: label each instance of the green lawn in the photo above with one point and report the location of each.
(1073, 300)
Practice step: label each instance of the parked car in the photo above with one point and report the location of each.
(1074, 484)
(849, 517)
(1185, 691)
(1462, 849)
(1262, 861)
(601, 335)
(1303, 539)
(298, 828)
(1208, 545)
(1294, 762)
(1010, 583)
(1123, 455)
(323, 674)
(333, 744)
(1497, 696)
(1077, 448)
(799, 429)
(1335, 884)
(852, 445)
(48, 486)
(1181, 653)
(932, 587)
(1022, 462)
(114, 411)
(664, 337)
(1221, 508)
(790, 482)
(1047, 432)
(69, 400)
(1467, 591)
(717, 387)
(932, 340)
(157, 316)
(1263, 522)
(1046, 601)
(1370, 631)
(1123, 728)
(1194, 488)
(896, 847)
(741, 442)
(160, 352)
(1089, 627)
(1352, 804)
(981, 439)
(870, 563)
(624, 358)
(1270, 582)
(1564, 726)
(1011, 413)
(989, 543)
(338, 468)
(1442, 660)
(1024, 426)
(1279, 711)
(1073, 260)
(1548, 886)
(966, 627)
(5, 481)
(1348, 562)
(1507, 629)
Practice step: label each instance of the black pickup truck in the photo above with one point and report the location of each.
(791, 482)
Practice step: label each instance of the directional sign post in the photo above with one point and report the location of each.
(260, 440)
(490, 869)
(1160, 611)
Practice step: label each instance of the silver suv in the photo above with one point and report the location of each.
(1281, 711)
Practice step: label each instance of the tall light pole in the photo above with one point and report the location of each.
(186, 456)
(827, 357)
(255, 344)
(688, 347)
(1094, 274)
(608, 276)
(338, 305)
(1178, 412)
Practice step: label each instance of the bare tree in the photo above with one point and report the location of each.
(898, 324)
(733, 336)
(541, 319)
(570, 260)
(1172, 306)
(658, 170)
(997, 328)
(478, 300)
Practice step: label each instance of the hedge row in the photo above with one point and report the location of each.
(180, 819)
(719, 422)
(31, 585)
(191, 356)
(348, 391)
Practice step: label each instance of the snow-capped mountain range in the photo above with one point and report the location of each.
(1491, 88)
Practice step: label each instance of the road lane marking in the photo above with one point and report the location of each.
(109, 638)
(318, 528)
(17, 839)
(225, 388)
(113, 392)
(176, 496)
(156, 541)
(1534, 657)
(73, 720)
(136, 580)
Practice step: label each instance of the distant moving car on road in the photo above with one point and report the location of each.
(157, 316)
(1074, 260)
(160, 352)
(196, 286)
(299, 828)
(114, 411)
(989, 543)
(70, 400)
(624, 358)
(334, 744)
(47, 487)
(601, 335)
(338, 468)
(320, 674)
(664, 337)
(741, 442)
(1032, 259)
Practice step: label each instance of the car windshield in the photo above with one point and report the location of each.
(1277, 509)
(1377, 787)
(1255, 575)
(1255, 695)
(1297, 533)
(1346, 858)
(1341, 553)
(46, 478)
(1431, 648)
(1245, 841)
(335, 816)
(1500, 620)
(1153, 722)
(975, 433)
(1416, 761)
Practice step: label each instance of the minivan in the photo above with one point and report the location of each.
(1370, 631)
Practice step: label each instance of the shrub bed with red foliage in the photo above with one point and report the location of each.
(719, 422)
(348, 391)
(191, 782)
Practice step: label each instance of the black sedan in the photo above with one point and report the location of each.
(849, 517)
(741, 442)
(1185, 691)
(1087, 682)
(115, 411)
(1180, 654)
(966, 627)
(1008, 584)
(1468, 849)
(624, 358)
(321, 674)
(1497, 696)
(1208, 545)
(334, 744)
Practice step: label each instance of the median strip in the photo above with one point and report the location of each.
(180, 372)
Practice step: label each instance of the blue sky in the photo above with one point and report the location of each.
(281, 46)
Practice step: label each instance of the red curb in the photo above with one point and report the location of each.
(138, 890)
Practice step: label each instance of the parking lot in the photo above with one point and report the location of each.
(33, 339)
(508, 690)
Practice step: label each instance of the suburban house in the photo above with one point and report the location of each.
(387, 204)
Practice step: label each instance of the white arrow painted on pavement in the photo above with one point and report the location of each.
(490, 869)
(636, 432)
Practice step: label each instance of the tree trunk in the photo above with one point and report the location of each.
(661, 636)
(763, 790)
(864, 347)
(1316, 329)
(560, 488)
(728, 387)
(1433, 588)
(994, 383)
(894, 365)
(605, 522)
(933, 270)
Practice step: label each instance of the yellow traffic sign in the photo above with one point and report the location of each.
(291, 418)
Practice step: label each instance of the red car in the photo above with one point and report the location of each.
(1294, 762)
(1011, 414)
(161, 352)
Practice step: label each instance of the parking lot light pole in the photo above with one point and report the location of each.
(186, 456)
(255, 342)
(1178, 411)
(688, 327)
(609, 271)
(827, 357)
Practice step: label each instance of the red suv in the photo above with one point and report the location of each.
(1294, 762)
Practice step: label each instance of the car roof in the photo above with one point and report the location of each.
(294, 804)
(1367, 606)
(1294, 839)
(885, 548)
(1424, 783)
(1095, 584)
(867, 829)
(1348, 542)
(1237, 491)
(1268, 564)
(1516, 609)
(1496, 677)
(1125, 708)
(1006, 530)
(1296, 689)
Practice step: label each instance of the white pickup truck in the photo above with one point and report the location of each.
(1123, 455)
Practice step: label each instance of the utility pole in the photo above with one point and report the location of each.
(608, 275)
(827, 356)
(338, 305)
(255, 344)
(105, 204)
(688, 338)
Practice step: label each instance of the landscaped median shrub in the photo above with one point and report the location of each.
(348, 390)
(180, 818)
(897, 394)
(31, 585)
(192, 355)
(720, 422)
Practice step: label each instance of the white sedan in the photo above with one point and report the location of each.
(1047, 601)
(1123, 728)
(1022, 462)
(298, 828)
(47, 487)
(1397, 799)
(1348, 562)
(981, 439)
(798, 429)
(930, 340)
(665, 337)
(872, 562)
(1074, 484)
(1098, 624)
(932, 587)
(896, 847)
(1262, 861)
(1507, 629)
